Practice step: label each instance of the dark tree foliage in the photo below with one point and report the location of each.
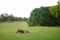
(39, 16)
(45, 16)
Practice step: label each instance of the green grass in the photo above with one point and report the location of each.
(8, 32)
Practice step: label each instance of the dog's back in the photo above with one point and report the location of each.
(20, 31)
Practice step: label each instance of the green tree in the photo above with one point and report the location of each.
(2, 17)
(39, 16)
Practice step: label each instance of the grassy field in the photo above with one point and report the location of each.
(8, 32)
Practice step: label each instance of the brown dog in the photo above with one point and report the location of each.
(22, 31)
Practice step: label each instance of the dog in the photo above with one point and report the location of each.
(22, 31)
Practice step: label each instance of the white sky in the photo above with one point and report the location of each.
(23, 8)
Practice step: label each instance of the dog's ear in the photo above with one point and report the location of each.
(18, 29)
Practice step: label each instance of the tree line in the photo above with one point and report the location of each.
(45, 16)
(5, 17)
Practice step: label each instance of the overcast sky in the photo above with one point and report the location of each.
(23, 8)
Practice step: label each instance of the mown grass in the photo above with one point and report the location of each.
(8, 32)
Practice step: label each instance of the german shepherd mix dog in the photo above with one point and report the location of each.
(22, 31)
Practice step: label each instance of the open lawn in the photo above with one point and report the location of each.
(8, 32)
